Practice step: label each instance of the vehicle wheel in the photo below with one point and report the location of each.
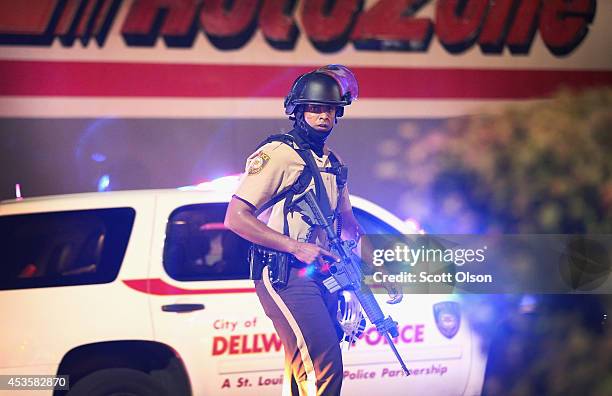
(172, 377)
(117, 382)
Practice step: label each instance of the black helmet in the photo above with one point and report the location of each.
(331, 85)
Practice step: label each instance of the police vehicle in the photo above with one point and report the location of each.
(146, 293)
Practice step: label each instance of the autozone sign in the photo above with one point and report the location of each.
(384, 25)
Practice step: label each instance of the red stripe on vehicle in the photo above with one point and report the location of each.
(120, 79)
(159, 287)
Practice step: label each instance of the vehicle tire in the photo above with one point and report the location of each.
(172, 377)
(117, 382)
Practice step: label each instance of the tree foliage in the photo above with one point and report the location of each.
(538, 168)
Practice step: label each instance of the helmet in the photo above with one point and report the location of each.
(332, 85)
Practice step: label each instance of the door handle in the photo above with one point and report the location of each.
(182, 307)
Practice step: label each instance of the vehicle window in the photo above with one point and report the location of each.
(372, 224)
(199, 247)
(63, 248)
(387, 236)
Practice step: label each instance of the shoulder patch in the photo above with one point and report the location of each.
(258, 162)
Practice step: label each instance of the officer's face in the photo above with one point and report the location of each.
(320, 117)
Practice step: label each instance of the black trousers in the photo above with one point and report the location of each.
(304, 316)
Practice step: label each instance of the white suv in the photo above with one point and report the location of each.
(146, 293)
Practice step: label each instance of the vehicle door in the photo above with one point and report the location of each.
(205, 307)
(435, 341)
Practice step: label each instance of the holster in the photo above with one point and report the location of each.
(278, 264)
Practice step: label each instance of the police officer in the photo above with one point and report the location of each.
(303, 312)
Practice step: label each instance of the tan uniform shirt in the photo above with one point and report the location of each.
(274, 167)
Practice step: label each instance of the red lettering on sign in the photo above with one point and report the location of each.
(372, 337)
(229, 28)
(69, 19)
(234, 344)
(271, 342)
(85, 19)
(458, 23)
(256, 347)
(245, 344)
(327, 24)
(83, 27)
(229, 24)
(104, 19)
(389, 25)
(407, 334)
(277, 23)
(564, 24)
(419, 332)
(524, 26)
(219, 346)
(497, 23)
(176, 19)
(28, 22)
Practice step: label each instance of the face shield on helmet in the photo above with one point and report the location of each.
(345, 78)
(330, 85)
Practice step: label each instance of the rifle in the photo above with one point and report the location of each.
(347, 274)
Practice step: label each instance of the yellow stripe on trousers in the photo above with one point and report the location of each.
(311, 377)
